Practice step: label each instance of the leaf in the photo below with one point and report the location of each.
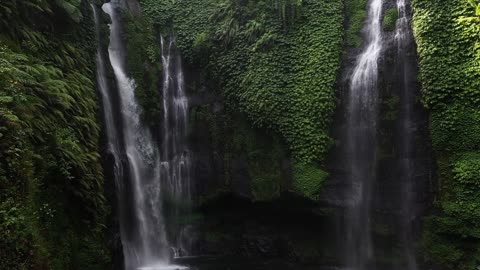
(72, 9)
(472, 3)
(6, 99)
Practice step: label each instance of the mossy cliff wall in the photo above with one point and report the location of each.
(261, 86)
(52, 207)
(447, 34)
(277, 72)
(262, 78)
(263, 89)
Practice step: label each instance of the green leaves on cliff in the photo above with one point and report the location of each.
(290, 87)
(390, 19)
(308, 180)
(449, 49)
(275, 61)
(356, 13)
(49, 136)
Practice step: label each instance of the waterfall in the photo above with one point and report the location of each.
(175, 154)
(403, 39)
(146, 175)
(113, 143)
(361, 143)
(139, 188)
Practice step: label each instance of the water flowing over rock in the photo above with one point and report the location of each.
(141, 220)
(380, 166)
(404, 39)
(147, 175)
(361, 143)
(175, 155)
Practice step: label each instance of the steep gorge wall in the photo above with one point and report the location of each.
(52, 204)
(259, 121)
(260, 75)
(254, 94)
(263, 96)
(450, 75)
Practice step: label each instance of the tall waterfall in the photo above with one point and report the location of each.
(175, 155)
(403, 39)
(147, 175)
(139, 187)
(111, 131)
(361, 143)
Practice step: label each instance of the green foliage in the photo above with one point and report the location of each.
(188, 19)
(456, 128)
(449, 49)
(144, 64)
(274, 61)
(72, 8)
(50, 173)
(289, 87)
(308, 180)
(390, 19)
(476, 5)
(288, 10)
(453, 239)
(356, 12)
(264, 159)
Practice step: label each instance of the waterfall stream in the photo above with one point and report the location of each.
(175, 154)
(144, 243)
(154, 177)
(361, 144)
(146, 175)
(403, 39)
(113, 143)
(138, 186)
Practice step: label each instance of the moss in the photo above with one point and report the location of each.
(356, 13)
(52, 207)
(456, 128)
(308, 180)
(144, 64)
(390, 19)
(278, 71)
(260, 64)
(264, 157)
(449, 56)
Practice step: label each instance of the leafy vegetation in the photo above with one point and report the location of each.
(144, 64)
(356, 13)
(263, 159)
(390, 19)
(274, 61)
(51, 184)
(308, 180)
(447, 35)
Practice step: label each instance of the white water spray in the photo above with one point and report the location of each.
(142, 225)
(361, 145)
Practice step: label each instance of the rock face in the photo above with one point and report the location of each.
(243, 176)
(234, 222)
(246, 210)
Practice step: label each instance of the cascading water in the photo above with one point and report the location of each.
(146, 177)
(141, 221)
(403, 39)
(113, 142)
(361, 143)
(175, 154)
